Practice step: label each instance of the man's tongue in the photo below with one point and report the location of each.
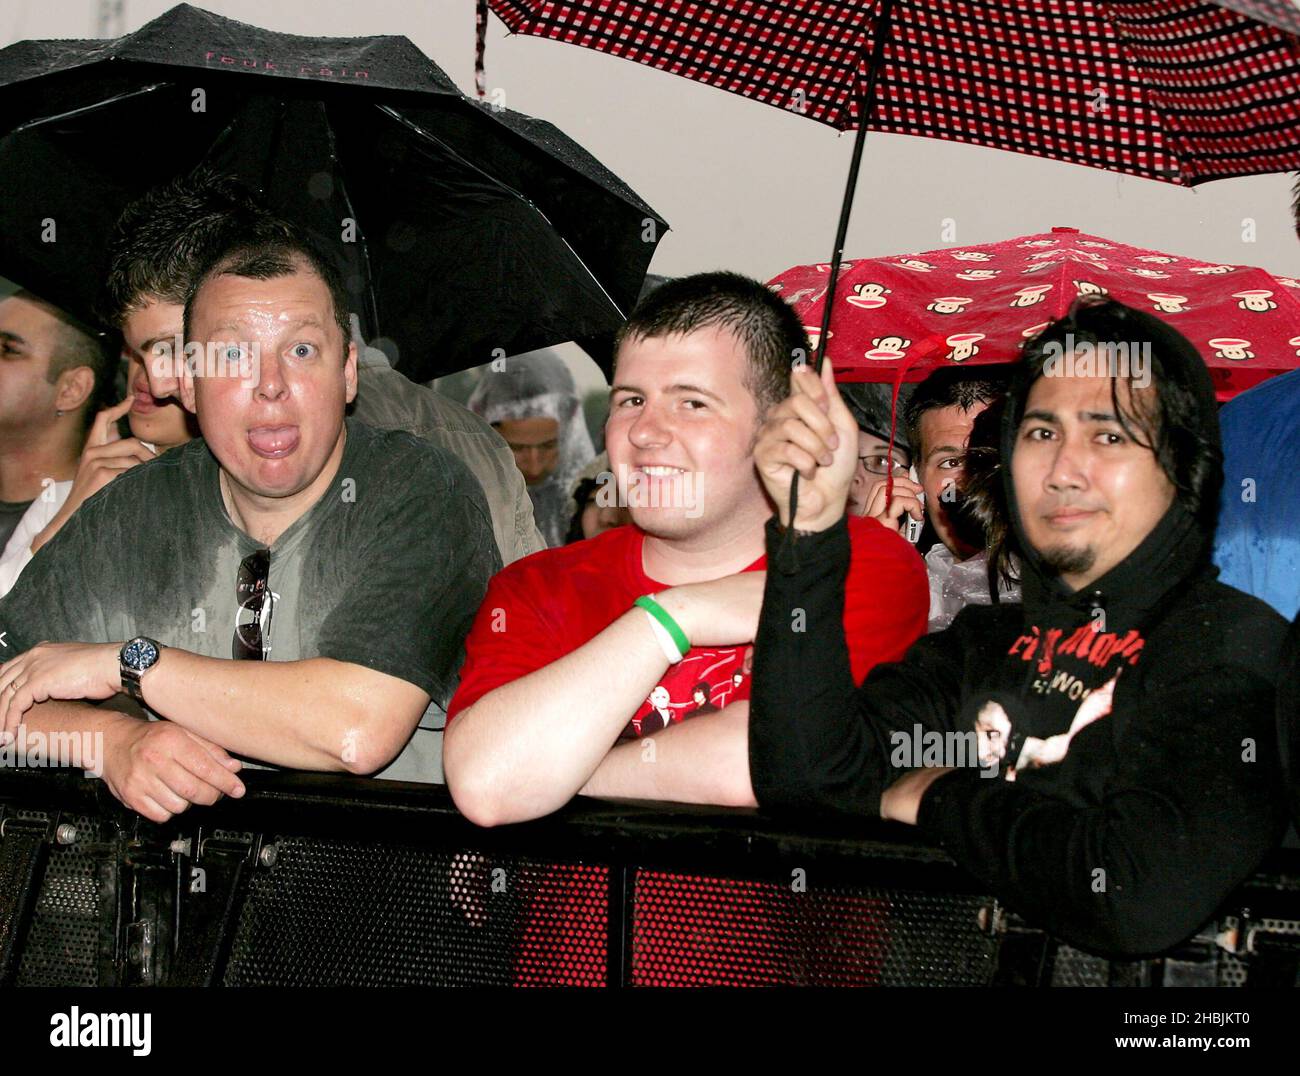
(273, 441)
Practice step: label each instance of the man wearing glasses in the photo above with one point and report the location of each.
(291, 588)
(879, 457)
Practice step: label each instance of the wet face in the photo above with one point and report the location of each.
(944, 435)
(875, 462)
(28, 340)
(680, 434)
(1088, 493)
(275, 376)
(536, 445)
(150, 334)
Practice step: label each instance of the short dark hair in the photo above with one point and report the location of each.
(267, 248)
(164, 240)
(1178, 422)
(77, 344)
(950, 386)
(765, 324)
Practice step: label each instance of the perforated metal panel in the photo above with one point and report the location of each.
(1073, 967)
(1233, 971)
(20, 859)
(63, 945)
(701, 931)
(339, 913)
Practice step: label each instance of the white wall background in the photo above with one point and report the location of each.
(746, 186)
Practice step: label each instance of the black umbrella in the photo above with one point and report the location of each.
(464, 232)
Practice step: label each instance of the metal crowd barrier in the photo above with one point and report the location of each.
(332, 881)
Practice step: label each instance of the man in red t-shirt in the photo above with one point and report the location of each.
(564, 674)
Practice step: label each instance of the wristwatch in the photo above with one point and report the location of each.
(136, 658)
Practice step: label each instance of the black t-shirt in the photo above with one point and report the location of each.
(385, 570)
(10, 514)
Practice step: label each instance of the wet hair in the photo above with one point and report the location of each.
(77, 344)
(267, 248)
(164, 240)
(949, 387)
(981, 517)
(1176, 420)
(766, 326)
(871, 406)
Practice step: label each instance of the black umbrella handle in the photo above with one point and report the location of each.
(788, 560)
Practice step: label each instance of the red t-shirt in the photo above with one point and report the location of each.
(543, 607)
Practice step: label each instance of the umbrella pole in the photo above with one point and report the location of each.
(867, 104)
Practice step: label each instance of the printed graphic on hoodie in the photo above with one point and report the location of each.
(998, 739)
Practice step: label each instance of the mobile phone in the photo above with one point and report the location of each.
(912, 529)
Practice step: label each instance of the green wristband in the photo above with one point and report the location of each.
(665, 618)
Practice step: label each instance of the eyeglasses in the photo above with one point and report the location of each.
(256, 604)
(881, 463)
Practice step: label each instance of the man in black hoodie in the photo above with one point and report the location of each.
(1101, 756)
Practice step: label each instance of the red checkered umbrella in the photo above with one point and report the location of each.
(1174, 90)
(912, 312)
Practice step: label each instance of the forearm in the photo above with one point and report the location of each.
(299, 714)
(807, 745)
(526, 748)
(73, 734)
(704, 760)
(1135, 874)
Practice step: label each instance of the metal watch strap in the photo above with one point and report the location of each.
(131, 682)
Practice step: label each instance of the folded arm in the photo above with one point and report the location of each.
(704, 760)
(527, 747)
(1193, 808)
(816, 741)
(314, 714)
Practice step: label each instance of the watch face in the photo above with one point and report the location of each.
(140, 654)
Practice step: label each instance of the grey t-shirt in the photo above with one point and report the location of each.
(387, 400)
(386, 570)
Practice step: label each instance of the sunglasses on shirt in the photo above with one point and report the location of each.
(256, 604)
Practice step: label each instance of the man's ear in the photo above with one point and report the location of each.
(75, 387)
(350, 373)
(185, 375)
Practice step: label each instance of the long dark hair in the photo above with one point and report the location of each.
(1178, 421)
(980, 517)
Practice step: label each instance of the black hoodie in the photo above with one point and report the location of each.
(1123, 838)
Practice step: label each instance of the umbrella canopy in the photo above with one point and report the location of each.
(1175, 90)
(464, 233)
(980, 304)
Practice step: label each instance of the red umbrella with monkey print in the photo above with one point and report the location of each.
(980, 304)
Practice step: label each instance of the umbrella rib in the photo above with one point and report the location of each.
(88, 108)
(421, 132)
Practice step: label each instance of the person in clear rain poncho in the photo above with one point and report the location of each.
(534, 404)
